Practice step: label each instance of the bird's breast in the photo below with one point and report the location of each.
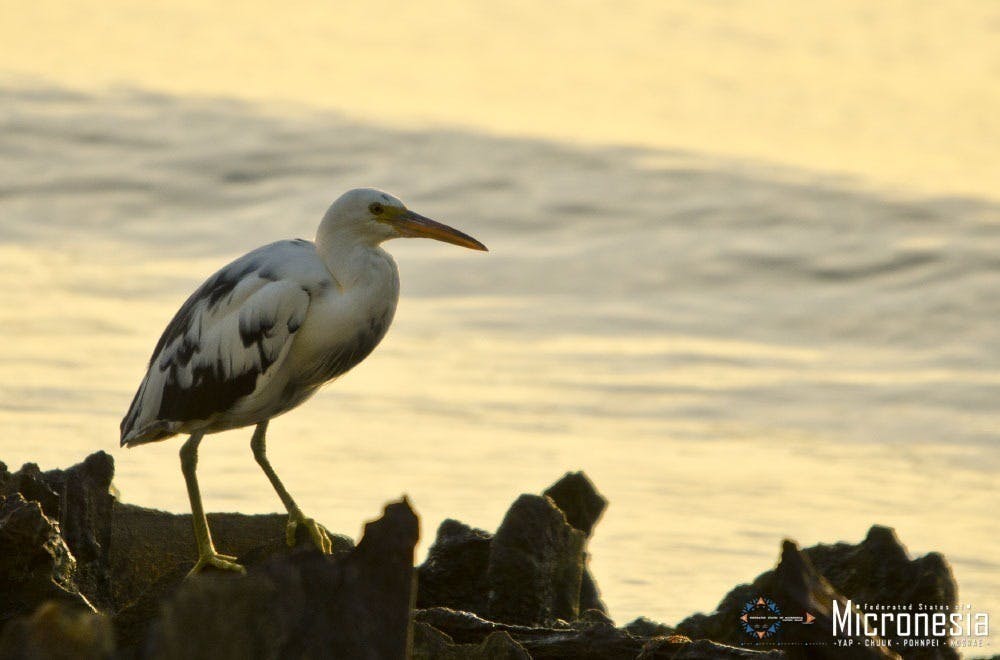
(343, 326)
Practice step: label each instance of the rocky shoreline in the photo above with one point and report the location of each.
(83, 575)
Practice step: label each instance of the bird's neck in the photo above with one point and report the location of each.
(350, 258)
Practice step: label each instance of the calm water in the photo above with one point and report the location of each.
(734, 354)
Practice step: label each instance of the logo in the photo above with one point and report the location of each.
(761, 618)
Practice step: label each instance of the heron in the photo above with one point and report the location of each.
(265, 332)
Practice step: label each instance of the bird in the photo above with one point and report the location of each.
(264, 333)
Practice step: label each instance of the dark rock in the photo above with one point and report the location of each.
(85, 508)
(576, 497)
(643, 627)
(454, 573)
(877, 570)
(536, 564)
(678, 647)
(797, 589)
(30, 482)
(590, 595)
(591, 617)
(148, 546)
(457, 571)
(432, 644)
(132, 620)
(598, 640)
(57, 631)
(466, 627)
(301, 605)
(79, 499)
(35, 563)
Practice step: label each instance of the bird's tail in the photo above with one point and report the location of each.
(140, 425)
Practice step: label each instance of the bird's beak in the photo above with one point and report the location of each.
(412, 224)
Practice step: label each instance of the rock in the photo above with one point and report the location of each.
(301, 605)
(457, 571)
(879, 570)
(643, 627)
(590, 595)
(576, 496)
(132, 619)
(454, 573)
(31, 483)
(85, 508)
(74, 549)
(432, 644)
(57, 631)
(536, 564)
(598, 640)
(79, 499)
(148, 546)
(35, 563)
(796, 588)
(678, 647)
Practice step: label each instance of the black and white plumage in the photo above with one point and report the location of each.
(261, 335)
(226, 359)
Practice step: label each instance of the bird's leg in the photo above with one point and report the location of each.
(295, 516)
(207, 556)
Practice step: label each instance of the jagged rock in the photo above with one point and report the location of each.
(457, 571)
(302, 605)
(432, 644)
(598, 640)
(85, 507)
(643, 627)
(79, 499)
(576, 496)
(57, 631)
(454, 573)
(797, 588)
(877, 570)
(35, 563)
(536, 564)
(30, 482)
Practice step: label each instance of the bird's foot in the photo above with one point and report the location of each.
(318, 535)
(216, 560)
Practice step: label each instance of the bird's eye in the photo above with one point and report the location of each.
(375, 208)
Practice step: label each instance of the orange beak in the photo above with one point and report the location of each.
(414, 225)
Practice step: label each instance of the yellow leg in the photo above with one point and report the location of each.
(207, 556)
(295, 517)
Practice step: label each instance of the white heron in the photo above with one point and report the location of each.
(262, 335)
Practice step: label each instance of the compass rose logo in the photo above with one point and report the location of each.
(761, 618)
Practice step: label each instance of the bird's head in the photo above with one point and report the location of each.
(374, 216)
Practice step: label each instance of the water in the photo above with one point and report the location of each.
(734, 354)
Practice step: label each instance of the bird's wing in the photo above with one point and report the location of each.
(225, 342)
